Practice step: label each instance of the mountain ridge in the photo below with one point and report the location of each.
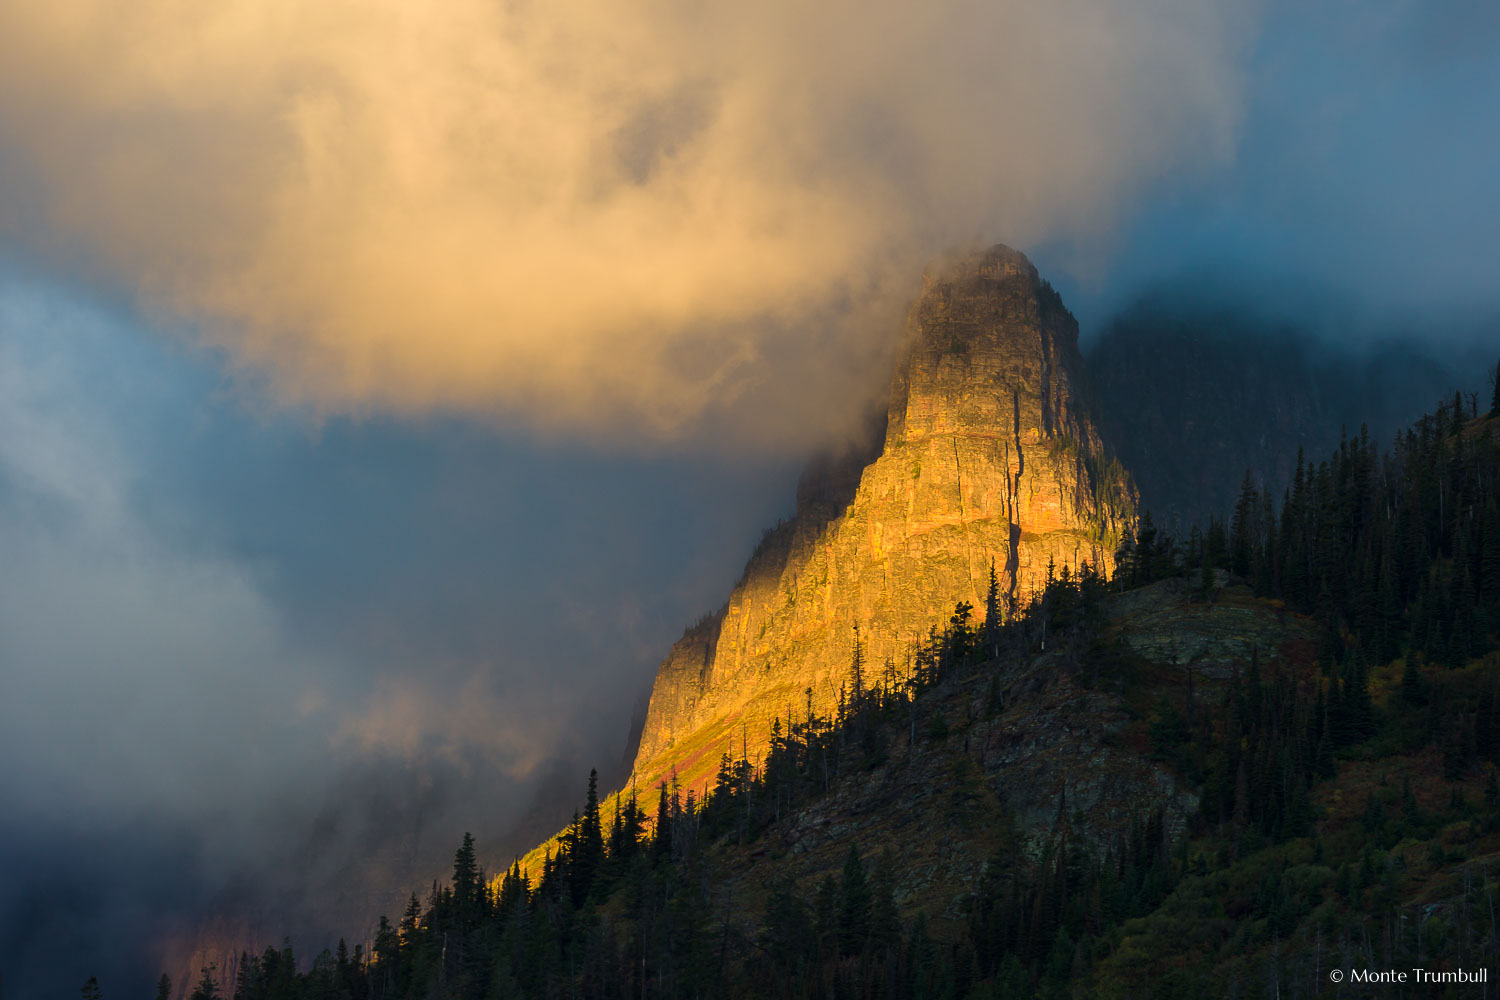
(986, 456)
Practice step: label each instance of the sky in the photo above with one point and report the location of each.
(384, 387)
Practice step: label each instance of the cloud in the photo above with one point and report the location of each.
(164, 715)
(138, 667)
(301, 661)
(615, 221)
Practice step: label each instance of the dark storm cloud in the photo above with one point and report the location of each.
(315, 649)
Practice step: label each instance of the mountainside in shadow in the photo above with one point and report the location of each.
(1191, 396)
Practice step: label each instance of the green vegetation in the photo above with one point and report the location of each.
(1348, 810)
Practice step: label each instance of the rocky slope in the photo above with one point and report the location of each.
(1071, 745)
(987, 457)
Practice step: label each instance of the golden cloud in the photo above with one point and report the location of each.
(628, 220)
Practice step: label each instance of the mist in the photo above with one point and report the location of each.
(383, 389)
(260, 673)
(572, 217)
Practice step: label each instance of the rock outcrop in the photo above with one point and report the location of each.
(987, 457)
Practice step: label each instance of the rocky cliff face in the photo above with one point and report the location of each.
(987, 457)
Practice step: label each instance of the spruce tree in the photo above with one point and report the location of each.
(206, 989)
(826, 916)
(634, 820)
(787, 929)
(661, 842)
(991, 635)
(466, 881)
(411, 921)
(1242, 533)
(164, 987)
(590, 847)
(248, 981)
(854, 905)
(1126, 561)
(885, 919)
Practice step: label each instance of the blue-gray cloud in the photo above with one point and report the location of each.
(296, 649)
(1363, 176)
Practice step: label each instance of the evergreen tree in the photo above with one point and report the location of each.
(991, 626)
(885, 920)
(206, 989)
(91, 989)
(1242, 533)
(787, 930)
(826, 916)
(467, 882)
(164, 987)
(661, 841)
(411, 919)
(960, 638)
(855, 901)
(1126, 565)
(1392, 556)
(249, 983)
(589, 850)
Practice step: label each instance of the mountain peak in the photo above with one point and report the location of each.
(990, 348)
(994, 263)
(987, 459)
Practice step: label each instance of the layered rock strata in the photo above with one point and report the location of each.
(987, 457)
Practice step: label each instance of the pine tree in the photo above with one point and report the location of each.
(787, 929)
(1126, 563)
(411, 920)
(467, 883)
(589, 850)
(164, 987)
(661, 842)
(885, 919)
(206, 989)
(91, 989)
(854, 905)
(1242, 533)
(991, 627)
(826, 915)
(960, 632)
(248, 979)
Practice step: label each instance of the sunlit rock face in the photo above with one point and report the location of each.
(988, 456)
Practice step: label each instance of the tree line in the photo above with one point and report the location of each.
(1394, 557)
